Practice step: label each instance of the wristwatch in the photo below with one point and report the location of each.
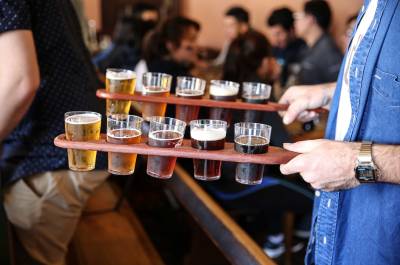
(366, 170)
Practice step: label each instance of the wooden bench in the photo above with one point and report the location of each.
(111, 237)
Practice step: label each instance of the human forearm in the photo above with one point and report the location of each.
(387, 159)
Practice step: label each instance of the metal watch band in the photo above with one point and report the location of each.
(365, 155)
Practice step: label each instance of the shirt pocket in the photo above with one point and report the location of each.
(386, 86)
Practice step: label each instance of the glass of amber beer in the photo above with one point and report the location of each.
(123, 129)
(82, 126)
(164, 132)
(191, 88)
(224, 91)
(207, 135)
(251, 138)
(158, 85)
(256, 93)
(119, 81)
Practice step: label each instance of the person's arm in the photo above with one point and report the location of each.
(329, 165)
(303, 98)
(19, 76)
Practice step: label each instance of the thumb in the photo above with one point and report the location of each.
(293, 111)
(302, 146)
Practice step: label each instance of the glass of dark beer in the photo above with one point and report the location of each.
(192, 88)
(251, 138)
(164, 132)
(256, 93)
(123, 129)
(224, 91)
(207, 135)
(157, 85)
(119, 81)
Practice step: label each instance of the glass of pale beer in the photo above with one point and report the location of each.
(157, 85)
(164, 132)
(119, 81)
(191, 88)
(123, 129)
(223, 90)
(82, 126)
(207, 135)
(251, 138)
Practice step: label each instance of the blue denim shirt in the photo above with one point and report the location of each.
(362, 225)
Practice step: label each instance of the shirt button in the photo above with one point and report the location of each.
(328, 204)
(317, 193)
(324, 240)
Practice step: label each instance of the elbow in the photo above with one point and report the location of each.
(28, 88)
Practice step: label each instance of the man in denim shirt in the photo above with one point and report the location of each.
(355, 222)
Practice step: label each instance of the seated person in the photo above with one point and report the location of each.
(236, 22)
(126, 49)
(286, 47)
(250, 59)
(321, 61)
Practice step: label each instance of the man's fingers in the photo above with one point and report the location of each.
(303, 146)
(306, 116)
(294, 110)
(295, 165)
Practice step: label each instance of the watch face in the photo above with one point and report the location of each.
(365, 173)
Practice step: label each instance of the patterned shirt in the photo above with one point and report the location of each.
(67, 82)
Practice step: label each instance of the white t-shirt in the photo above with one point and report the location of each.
(344, 111)
(140, 69)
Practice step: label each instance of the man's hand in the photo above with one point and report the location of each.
(325, 164)
(303, 98)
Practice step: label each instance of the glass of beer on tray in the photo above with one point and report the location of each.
(164, 132)
(251, 138)
(82, 126)
(256, 93)
(156, 85)
(123, 129)
(119, 81)
(223, 90)
(191, 88)
(207, 135)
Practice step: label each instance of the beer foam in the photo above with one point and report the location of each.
(152, 135)
(251, 140)
(123, 75)
(189, 93)
(118, 133)
(221, 90)
(154, 89)
(208, 134)
(84, 118)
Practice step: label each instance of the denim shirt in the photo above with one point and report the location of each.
(362, 225)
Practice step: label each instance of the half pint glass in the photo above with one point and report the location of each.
(207, 135)
(164, 132)
(191, 88)
(157, 85)
(123, 129)
(119, 81)
(82, 126)
(251, 138)
(224, 91)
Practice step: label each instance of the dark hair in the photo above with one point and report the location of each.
(281, 17)
(239, 13)
(321, 11)
(245, 56)
(172, 30)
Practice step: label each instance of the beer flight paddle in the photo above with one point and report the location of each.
(201, 102)
(274, 156)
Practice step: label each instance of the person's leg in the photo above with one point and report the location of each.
(45, 209)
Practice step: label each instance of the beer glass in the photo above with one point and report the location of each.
(123, 129)
(119, 81)
(224, 91)
(158, 85)
(82, 126)
(256, 93)
(251, 138)
(164, 132)
(192, 88)
(207, 135)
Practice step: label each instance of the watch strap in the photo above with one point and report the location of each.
(365, 155)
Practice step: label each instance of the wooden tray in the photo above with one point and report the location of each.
(203, 102)
(274, 156)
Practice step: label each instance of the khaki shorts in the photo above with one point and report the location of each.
(45, 209)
